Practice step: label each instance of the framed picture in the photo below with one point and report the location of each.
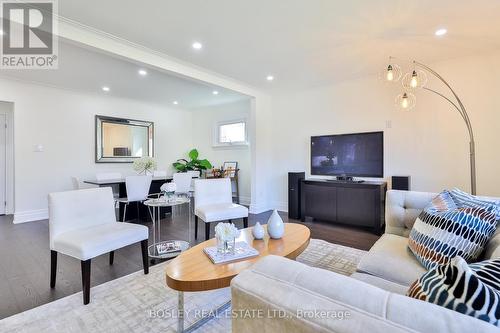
(230, 168)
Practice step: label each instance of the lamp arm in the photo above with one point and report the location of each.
(462, 109)
(449, 100)
(463, 112)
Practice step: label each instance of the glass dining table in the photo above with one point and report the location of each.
(120, 191)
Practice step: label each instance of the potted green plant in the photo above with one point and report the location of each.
(183, 165)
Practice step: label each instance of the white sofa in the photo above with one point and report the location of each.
(287, 296)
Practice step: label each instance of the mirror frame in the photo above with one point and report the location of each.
(99, 120)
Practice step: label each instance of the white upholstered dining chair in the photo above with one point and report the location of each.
(110, 176)
(137, 188)
(195, 174)
(182, 181)
(160, 173)
(78, 184)
(213, 202)
(82, 225)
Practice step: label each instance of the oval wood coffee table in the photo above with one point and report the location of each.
(192, 270)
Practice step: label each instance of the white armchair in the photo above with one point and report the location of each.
(83, 225)
(213, 202)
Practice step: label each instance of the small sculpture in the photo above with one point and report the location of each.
(275, 225)
(258, 231)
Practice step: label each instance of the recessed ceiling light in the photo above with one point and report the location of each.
(270, 78)
(441, 32)
(215, 92)
(197, 45)
(142, 72)
(106, 89)
(175, 102)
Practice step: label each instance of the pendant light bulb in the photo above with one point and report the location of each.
(414, 80)
(390, 73)
(404, 101)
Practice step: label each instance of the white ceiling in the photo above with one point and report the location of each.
(88, 70)
(303, 43)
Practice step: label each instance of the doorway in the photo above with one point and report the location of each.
(3, 163)
(6, 158)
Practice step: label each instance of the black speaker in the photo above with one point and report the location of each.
(401, 183)
(294, 179)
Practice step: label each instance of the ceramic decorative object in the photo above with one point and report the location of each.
(258, 231)
(275, 226)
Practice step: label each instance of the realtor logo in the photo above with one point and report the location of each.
(29, 38)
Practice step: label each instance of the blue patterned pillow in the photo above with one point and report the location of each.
(445, 230)
(468, 200)
(473, 289)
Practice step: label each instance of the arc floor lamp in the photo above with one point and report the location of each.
(407, 100)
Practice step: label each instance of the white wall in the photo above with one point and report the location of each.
(204, 120)
(63, 122)
(430, 142)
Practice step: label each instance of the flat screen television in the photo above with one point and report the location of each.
(352, 155)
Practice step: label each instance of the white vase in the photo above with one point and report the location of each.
(275, 226)
(258, 231)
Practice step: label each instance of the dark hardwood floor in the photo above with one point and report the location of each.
(25, 258)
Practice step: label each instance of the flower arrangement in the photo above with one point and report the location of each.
(226, 232)
(168, 188)
(145, 165)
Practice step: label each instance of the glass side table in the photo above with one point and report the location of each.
(155, 205)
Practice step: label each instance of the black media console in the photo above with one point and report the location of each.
(345, 202)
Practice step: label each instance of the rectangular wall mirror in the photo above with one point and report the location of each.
(121, 140)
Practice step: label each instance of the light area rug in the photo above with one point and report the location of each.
(144, 303)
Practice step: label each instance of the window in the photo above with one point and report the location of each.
(231, 133)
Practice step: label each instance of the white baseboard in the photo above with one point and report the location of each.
(257, 209)
(267, 206)
(31, 215)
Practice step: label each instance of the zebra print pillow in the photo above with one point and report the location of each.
(473, 289)
(445, 229)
